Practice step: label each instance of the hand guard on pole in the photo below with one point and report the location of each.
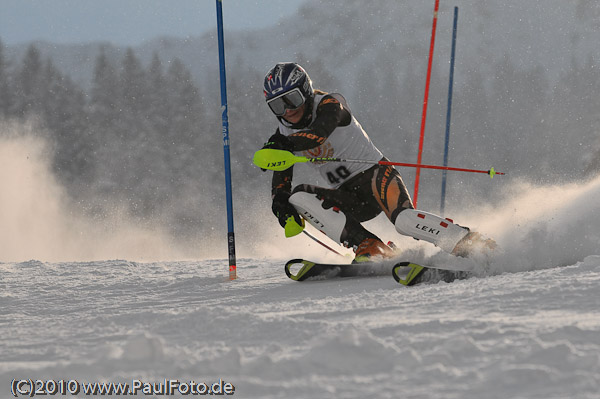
(278, 142)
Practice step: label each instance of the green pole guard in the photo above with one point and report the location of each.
(292, 228)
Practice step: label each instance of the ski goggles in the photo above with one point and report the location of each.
(291, 100)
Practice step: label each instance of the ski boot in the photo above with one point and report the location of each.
(371, 248)
(473, 243)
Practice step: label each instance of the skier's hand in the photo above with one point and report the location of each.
(279, 142)
(282, 208)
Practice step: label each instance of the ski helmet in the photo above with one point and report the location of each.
(288, 86)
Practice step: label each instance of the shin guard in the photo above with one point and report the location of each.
(329, 221)
(429, 227)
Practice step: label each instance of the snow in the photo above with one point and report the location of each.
(529, 334)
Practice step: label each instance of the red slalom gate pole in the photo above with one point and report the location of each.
(425, 101)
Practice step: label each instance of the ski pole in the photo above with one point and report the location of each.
(322, 243)
(279, 160)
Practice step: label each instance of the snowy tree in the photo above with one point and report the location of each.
(134, 91)
(63, 109)
(6, 96)
(30, 84)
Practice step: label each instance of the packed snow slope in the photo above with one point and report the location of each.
(527, 326)
(532, 334)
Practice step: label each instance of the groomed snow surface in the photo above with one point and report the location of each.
(532, 334)
(528, 326)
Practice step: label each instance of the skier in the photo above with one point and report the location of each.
(318, 124)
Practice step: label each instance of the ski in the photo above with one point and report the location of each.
(405, 273)
(308, 269)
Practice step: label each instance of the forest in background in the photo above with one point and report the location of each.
(132, 140)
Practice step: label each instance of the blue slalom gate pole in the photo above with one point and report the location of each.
(449, 112)
(230, 233)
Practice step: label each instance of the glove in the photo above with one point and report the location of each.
(283, 210)
(325, 196)
(279, 142)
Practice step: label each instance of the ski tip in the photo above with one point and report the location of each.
(304, 269)
(407, 273)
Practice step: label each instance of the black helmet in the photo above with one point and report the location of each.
(288, 86)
